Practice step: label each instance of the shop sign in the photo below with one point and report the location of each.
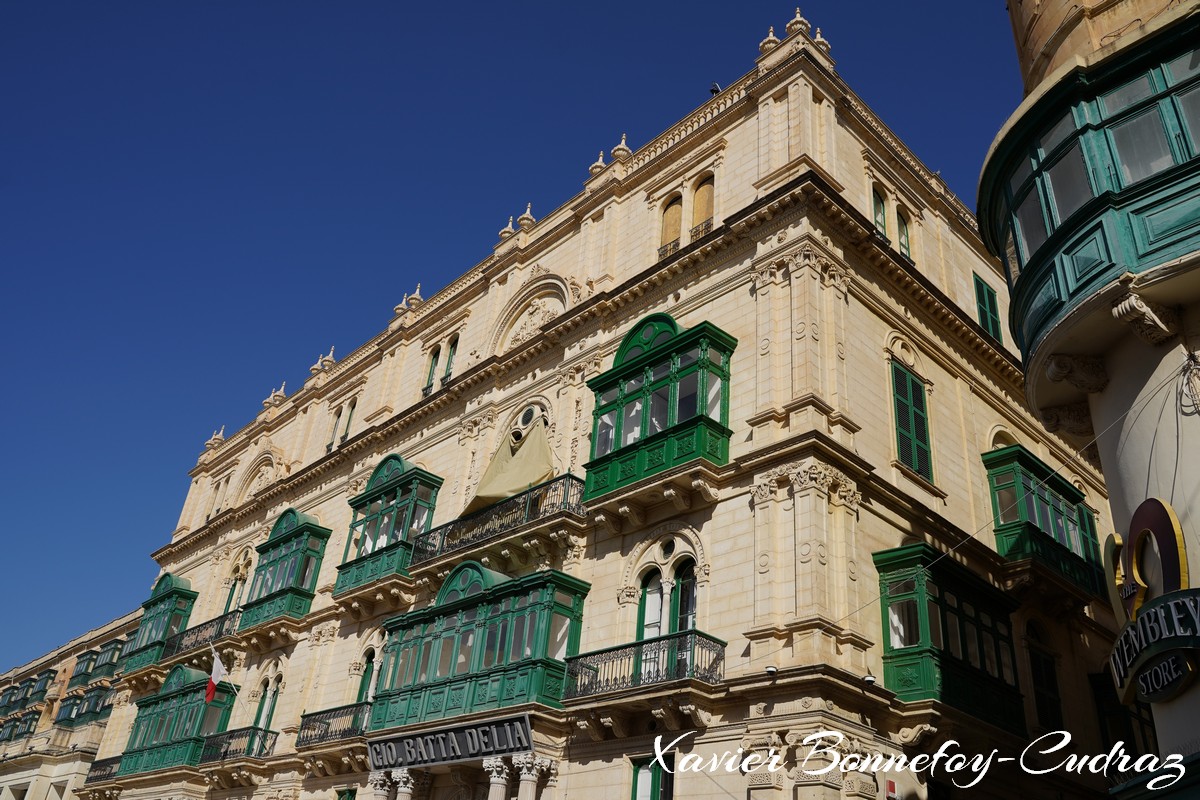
(453, 744)
(1153, 657)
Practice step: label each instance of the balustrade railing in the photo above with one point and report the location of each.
(103, 770)
(240, 743)
(211, 631)
(703, 229)
(333, 725)
(562, 494)
(687, 654)
(668, 249)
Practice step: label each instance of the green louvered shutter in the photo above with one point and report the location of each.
(912, 422)
(987, 308)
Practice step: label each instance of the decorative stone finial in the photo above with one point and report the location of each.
(621, 151)
(323, 362)
(415, 298)
(768, 44)
(598, 167)
(526, 220)
(215, 440)
(798, 24)
(277, 396)
(508, 230)
(820, 42)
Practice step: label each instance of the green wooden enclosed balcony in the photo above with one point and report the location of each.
(166, 613)
(395, 508)
(677, 656)
(947, 636)
(173, 726)
(487, 642)
(664, 403)
(562, 495)
(286, 576)
(1040, 517)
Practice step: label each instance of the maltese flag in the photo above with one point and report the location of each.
(218, 675)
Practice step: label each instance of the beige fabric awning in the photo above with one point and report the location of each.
(517, 466)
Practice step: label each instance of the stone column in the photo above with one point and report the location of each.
(407, 782)
(497, 771)
(380, 783)
(530, 768)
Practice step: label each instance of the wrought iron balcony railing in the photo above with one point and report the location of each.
(703, 229)
(103, 770)
(687, 654)
(562, 494)
(240, 743)
(668, 249)
(333, 725)
(199, 636)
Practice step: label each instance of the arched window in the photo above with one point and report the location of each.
(433, 362)
(880, 212)
(663, 619)
(1046, 700)
(902, 239)
(451, 349)
(702, 210)
(366, 688)
(672, 222)
(349, 418)
(333, 429)
(237, 583)
(267, 712)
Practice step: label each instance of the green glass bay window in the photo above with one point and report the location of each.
(285, 580)
(1041, 515)
(171, 726)
(166, 614)
(106, 662)
(396, 506)
(83, 668)
(487, 642)
(665, 402)
(947, 636)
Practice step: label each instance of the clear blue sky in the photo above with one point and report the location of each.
(198, 198)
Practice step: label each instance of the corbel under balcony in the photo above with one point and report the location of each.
(272, 634)
(689, 486)
(342, 758)
(385, 595)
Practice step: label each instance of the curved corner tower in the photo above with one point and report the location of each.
(1090, 195)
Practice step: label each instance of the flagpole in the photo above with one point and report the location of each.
(236, 696)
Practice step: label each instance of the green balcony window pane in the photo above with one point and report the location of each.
(606, 428)
(935, 623)
(1010, 255)
(1189, 104)
(1006, 501)
(1058, 133)
(1031, 224)
(631, 422)
(1142, 148)
(689, 396)
(1069, 182)
(1022, 173)
(1185, 66)
(903, 629)
(1127, 95)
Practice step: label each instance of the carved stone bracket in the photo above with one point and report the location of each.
(1073, 418)
(1083, 372)
(1152, 322)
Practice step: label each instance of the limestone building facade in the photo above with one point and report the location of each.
(728, 449)
(54, 712)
